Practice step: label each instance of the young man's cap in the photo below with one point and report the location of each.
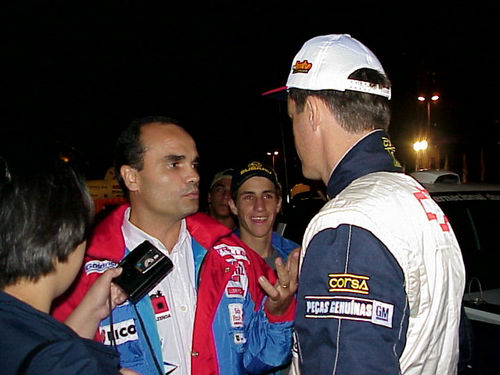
(326, 62)
(226, 173)
(253, 169)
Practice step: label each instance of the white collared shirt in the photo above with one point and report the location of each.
(173, 299)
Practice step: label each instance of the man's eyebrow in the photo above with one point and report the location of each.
(174, 157)
(246, 192)
(262, 192)
(273, 191)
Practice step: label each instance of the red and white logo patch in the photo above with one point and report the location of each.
(236, 314)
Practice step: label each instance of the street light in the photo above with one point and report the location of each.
(418, 147)
(433, 99)
(273, 155)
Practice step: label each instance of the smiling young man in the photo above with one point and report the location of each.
(256, 201)
(210, 314)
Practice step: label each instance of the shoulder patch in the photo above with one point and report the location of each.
(231, 253)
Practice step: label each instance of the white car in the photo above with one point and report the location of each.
(473, 210)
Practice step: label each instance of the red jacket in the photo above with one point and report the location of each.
(210, 345)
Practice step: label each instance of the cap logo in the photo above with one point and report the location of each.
(302, 67)
(255, 166)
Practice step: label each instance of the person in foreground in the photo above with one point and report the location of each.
(382, 277)
(210, 314)
(45, 214)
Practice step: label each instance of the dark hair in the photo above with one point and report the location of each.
(45, 212)
(129, 149)
(355, 111)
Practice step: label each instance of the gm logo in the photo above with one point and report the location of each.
(382, 313)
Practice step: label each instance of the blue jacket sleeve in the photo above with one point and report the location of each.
(352, 312)
(269, 344)
(72, 357)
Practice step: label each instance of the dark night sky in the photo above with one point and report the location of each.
(77, 72)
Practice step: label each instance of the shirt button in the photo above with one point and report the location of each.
(195, 354)
(183, 308)
(227, 269)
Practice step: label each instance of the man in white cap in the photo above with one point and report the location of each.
(382, 275)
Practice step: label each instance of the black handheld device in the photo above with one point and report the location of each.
(143, 268)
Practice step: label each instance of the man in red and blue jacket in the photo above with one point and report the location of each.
(243, 313)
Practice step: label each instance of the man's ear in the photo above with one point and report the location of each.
(313, 108)
(233, 207)
(278, 206)
(130, 177)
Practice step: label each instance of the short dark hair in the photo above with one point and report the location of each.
(355, 111)
(46, 211)
(129, 149)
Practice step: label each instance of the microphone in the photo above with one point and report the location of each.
(143, 268)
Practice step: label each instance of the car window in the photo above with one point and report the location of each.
(475, 221)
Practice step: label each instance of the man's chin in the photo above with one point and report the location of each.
(192, 208)
(310, 173)
(224, 213)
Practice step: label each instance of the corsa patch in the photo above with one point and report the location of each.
(98, 266)
(347, 282)
(350, 308)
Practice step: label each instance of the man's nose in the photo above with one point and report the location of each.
(259, 204)
(193, 177)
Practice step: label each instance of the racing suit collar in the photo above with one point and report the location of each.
(373, 153)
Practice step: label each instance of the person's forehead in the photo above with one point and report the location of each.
(257, 183)
(223, 182)
(167, 137)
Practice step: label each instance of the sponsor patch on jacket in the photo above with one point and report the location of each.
(432, 211)
(122, 332)
(234, 291)
(350, 308)
(239, 338)
(238, 282)
(348, 282)
(236, 314)
(231, 253)
(98, 266)
(160, 306)
(391, 150)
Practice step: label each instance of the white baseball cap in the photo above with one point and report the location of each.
(325, 63)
